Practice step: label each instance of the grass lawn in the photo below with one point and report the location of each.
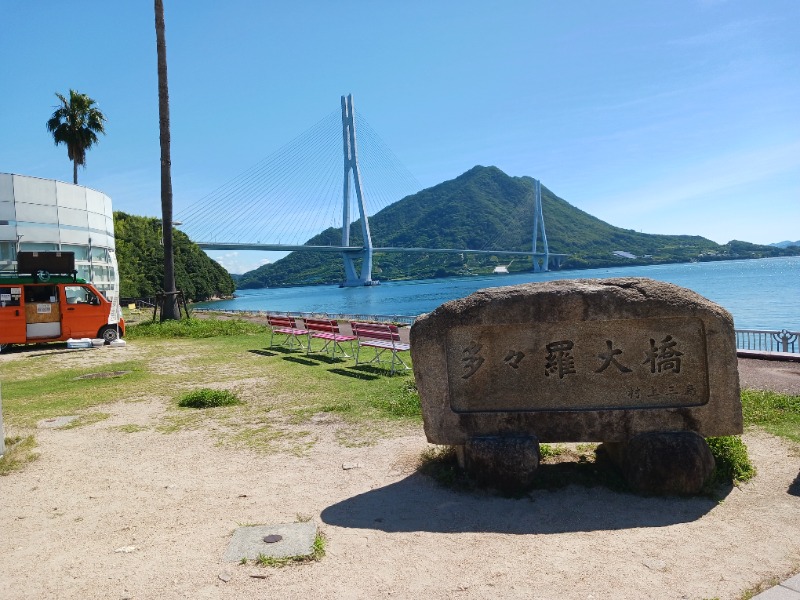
(280, 390)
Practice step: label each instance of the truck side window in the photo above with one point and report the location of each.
(41, 293)
(77, 294)
(9, 296)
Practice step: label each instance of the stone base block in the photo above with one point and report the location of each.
(664, 462)
(505, 463)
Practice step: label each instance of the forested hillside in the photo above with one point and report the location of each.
(141, 262)
(486, 209)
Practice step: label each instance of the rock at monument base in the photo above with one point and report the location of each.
(665, 462)
(505, 463)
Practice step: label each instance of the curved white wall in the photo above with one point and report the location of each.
(44, 214)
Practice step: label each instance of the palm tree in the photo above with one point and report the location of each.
(169, 309)
(76, 123)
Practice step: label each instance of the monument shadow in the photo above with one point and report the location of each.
(417, 503)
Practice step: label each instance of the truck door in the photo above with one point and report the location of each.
(84, 312)
(12, 315)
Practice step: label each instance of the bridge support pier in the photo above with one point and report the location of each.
(351, 278)
(539, 264)
(351, 275)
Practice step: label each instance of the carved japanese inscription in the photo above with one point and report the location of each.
(589, 365)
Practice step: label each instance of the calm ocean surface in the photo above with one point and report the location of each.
(761, 294)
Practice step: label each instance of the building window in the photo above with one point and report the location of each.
(80, 252)
(83, 272)
(7, 251)
(33, 247)
(99, 254)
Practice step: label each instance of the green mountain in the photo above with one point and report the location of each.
(140, 255)
(486, 209)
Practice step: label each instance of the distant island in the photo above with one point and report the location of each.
(486, 209)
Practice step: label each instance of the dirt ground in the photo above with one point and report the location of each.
(141, 515)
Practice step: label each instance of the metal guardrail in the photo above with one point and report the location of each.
(768, 340)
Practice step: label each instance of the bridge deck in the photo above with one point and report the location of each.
(356, 249)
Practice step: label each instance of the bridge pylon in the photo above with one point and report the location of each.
(352, 277)
(539, 264)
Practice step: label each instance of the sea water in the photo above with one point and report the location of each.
(761, 294)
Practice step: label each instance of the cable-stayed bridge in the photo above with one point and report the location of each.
(305, 188)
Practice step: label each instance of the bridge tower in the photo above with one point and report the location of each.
(538, 223)
(352, 278)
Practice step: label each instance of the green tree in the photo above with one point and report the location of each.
(141, 262)
(76, 123)
(169, 310)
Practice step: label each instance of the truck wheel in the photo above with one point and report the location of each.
(109, 334)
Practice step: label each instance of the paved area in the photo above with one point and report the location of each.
(783, 377)
(775, 375)
(788, 590)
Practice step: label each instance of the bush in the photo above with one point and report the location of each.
(193, 328)
(208, 398)
(733, 464)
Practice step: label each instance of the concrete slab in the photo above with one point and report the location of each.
(297, 539)
(793, 583)
(56, 422)
(778, 593)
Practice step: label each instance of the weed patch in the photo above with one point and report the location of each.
(208, 398)
(317, 554)
(440, 463)
(730, 455)
(19, 452)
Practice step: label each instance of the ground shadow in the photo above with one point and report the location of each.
(417, 503)
(285, 349)
(385, 372)
(794, 488)
(324, 358)
(301, 361)
(43, 349)
(353, 374)
(263, 352)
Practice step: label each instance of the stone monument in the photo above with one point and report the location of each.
(648, 368)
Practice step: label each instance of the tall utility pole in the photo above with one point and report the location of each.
(538, 222)
(352, 279)
(169, 309)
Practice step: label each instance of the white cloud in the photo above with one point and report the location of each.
(241, 262)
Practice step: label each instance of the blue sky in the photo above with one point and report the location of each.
(663, 116)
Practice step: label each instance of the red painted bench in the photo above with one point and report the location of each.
(287, 327)
(382, 338)
(328, 330)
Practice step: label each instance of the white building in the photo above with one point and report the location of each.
(47, 215)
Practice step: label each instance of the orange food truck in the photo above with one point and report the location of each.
(46, 302)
